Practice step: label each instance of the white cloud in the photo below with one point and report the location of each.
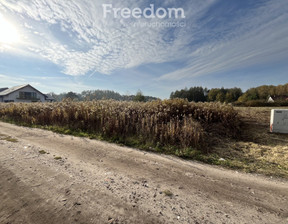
(74, 35)
(10, 80)
(79, 39)
(259, 38)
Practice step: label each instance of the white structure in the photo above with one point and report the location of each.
(271, 100)
(24, 93)
(279, 121)
(277, 98)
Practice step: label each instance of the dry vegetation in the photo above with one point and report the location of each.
(211, 132)
(257, 150)
(159, 124)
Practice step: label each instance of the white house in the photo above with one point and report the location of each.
(277, 98)
(23, 93)
(271, 100)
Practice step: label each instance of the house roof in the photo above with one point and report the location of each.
(15, 88)
(2, 89)
(279, 97)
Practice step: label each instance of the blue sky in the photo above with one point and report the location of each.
(63, 46)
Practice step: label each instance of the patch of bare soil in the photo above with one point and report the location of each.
(51, 178)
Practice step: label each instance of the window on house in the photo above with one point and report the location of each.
(27, 95)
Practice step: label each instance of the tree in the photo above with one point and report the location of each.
(229, 98)
(139, 97)
(72, 95)
(233, 95)
(220, 97)
(217, 95)
(196, 94)
(213, 94)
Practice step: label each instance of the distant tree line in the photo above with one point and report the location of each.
(89, 95)
(263, 92)
(232, 95)
(197, 94)
(224, 95)
(200, 94)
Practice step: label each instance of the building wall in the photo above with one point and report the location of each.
(15, 95)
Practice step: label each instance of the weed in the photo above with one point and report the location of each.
(168, 193)
(57, 157)
(10, 139)
(7, 138)
(42, 152)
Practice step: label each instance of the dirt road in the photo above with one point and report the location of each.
(97, 182)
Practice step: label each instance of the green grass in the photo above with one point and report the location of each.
(42, 152)
(8, 138)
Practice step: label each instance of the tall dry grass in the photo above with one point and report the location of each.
(170, 122)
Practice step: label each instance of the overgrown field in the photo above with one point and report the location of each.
(174, 126)
(215, 133)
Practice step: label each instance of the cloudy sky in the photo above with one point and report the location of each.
(63, 46)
